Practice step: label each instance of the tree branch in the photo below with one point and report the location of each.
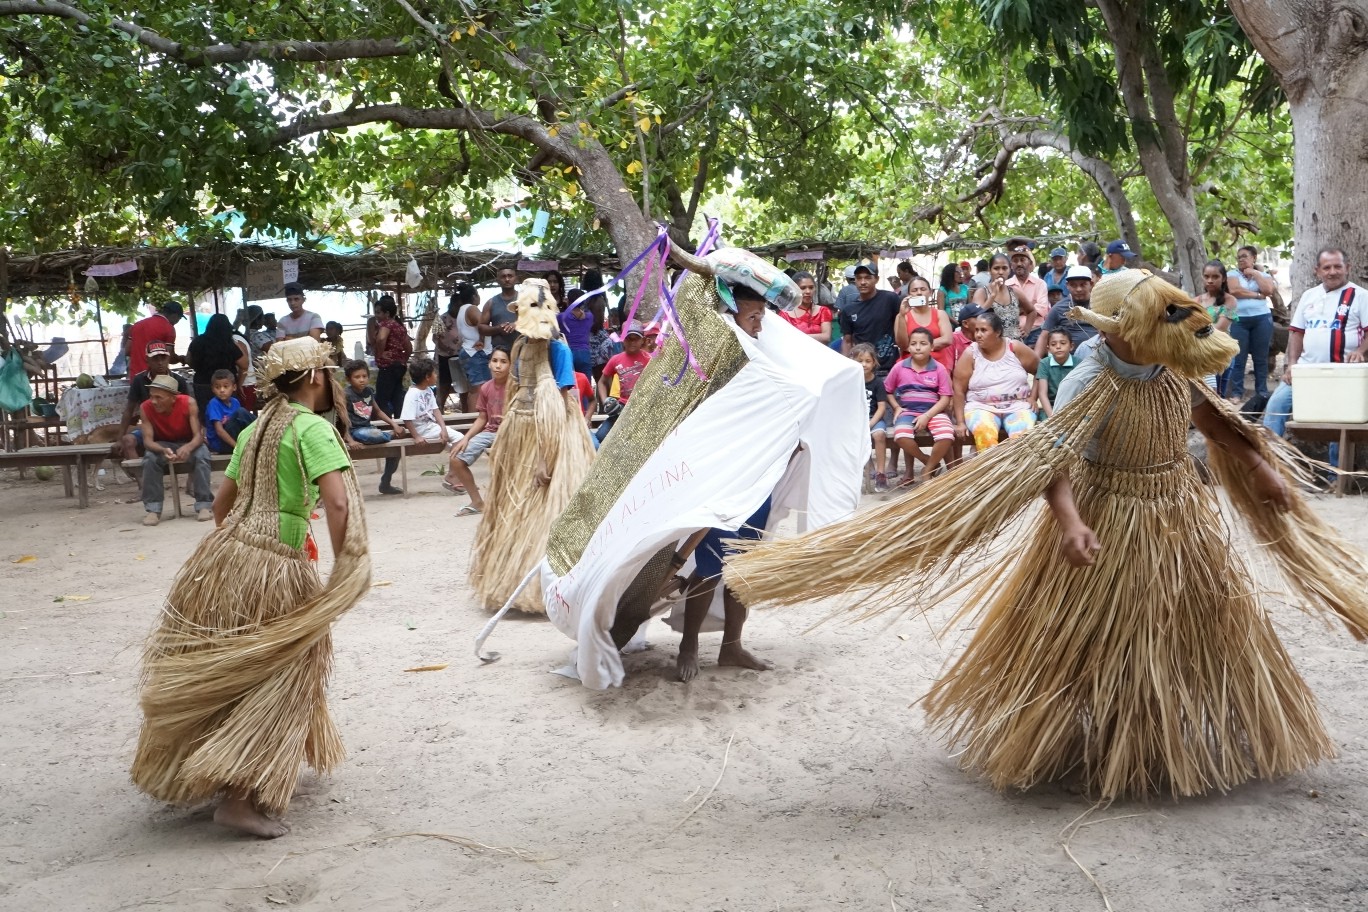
(310, 51)
(468, 119)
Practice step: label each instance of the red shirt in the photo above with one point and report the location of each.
(586, 392)
(155, 328)
(809, 321)
(490, 403)
(397, 346)
(173, 427)
(627, 368)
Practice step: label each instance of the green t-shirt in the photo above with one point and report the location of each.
(1052, 372)
(313, 441)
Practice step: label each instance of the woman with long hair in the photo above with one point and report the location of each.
(919, 311)
(809, 316)
(215, 350)
(953, 292)
(392, 351)
(1222, 307)
(1000, 299)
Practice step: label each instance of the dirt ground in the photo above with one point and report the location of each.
(820, 788)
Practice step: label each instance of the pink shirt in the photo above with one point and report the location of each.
(1000, 386)
(1034, 292)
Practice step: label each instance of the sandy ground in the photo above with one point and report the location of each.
(823, 791)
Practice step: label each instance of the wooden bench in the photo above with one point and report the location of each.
(77, 456)
(217, 462)
(1348, 436)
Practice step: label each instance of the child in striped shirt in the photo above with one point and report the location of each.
(920, 391)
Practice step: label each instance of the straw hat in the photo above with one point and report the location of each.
(292, 356)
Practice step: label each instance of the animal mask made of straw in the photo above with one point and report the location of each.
(1161, 323)
(536, 310)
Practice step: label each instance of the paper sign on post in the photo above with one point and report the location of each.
(266, 279)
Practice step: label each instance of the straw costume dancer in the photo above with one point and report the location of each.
(234, 676)
(540, 455)
(1127, 644)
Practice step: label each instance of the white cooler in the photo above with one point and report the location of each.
(1330, 393)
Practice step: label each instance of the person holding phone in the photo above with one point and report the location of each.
(919, 311)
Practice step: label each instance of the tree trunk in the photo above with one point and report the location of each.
(1159, 139)
(1316, 49)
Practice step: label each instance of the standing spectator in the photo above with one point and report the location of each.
(952, 294)
(998, 298)
(993, 389)
(896, 285)
(160, 327)
(446, 342)
(1328, 328)
(171, 432)
(1078, 281)
(499, 321)
(981, 276)
(1029, 288)
(332, 337)
(601, 339)
(1054, 273)
(905, 274)
(966, 273)
(259, 336)
(392, 351)
(556, 282)
(1090, 255)
(869, 318)
(577, 326)
(1253, 328)
(473, 353)
(809, 316)
(1119, 256)
(210, 352)
(247, 382)
(849, 292)
(1221, 306)
(298, 322)
(919, 311)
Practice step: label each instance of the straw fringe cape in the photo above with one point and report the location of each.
(540, 422)
(1155, 669)
(234, 677)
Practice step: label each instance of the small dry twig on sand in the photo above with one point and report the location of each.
(464, 842)
(1071, 829)
(725, 754)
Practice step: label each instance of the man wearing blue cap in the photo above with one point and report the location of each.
(1053, 273)
(1119, 257)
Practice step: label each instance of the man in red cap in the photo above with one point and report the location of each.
(160, 327)
(156, 359)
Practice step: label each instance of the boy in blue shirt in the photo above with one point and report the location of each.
(225, 418)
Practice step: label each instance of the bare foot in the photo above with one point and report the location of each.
(735, 654)
(687, 665)
(240, 814)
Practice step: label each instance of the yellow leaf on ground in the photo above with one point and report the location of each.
(140, 557)
(428, 667)
(26, 559)
(75, 598)
(381, 583)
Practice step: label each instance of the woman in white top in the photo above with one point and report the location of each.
(472, 353)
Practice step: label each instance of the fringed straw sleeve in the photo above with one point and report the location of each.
(1316, 563)
(541, 424)
(234, 678)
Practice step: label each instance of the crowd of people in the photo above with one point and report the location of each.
(972, 357)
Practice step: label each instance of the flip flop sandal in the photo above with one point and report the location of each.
(468, 510)
(454, 488)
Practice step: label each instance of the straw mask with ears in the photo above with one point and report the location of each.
(1160, 322)
(536, 310)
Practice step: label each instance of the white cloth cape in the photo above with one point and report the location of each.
(716, 470)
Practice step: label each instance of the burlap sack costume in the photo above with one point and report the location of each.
(234, 676)
(1155, 669)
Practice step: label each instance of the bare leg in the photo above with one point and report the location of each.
(880, 455)
(913, 453)
(239, 812)
(939, 450)
(459, 473)
(732, 652)
(700, 596)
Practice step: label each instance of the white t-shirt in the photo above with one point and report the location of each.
(250, 379)
(1315, 317)
(470, 335)
(290, 325)
(419, 404)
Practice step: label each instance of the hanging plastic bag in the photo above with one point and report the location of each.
(15, 392)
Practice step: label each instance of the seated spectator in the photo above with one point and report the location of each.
(919, 311)
(158, 358)
(920, 391)
(225, 418)
(953, 293)
(171, 432)
(993, 389)
(1079, 281)
(362, 409)
(809, 316)
(963, 336)
(421, 415)
(1329, 327)
(481, 435)
(876, 397)
(1054, 367)
(625, 368)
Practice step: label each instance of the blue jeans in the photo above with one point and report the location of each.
(370, 435)
(153, 487)
(1255, 335)
(1279, 410)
